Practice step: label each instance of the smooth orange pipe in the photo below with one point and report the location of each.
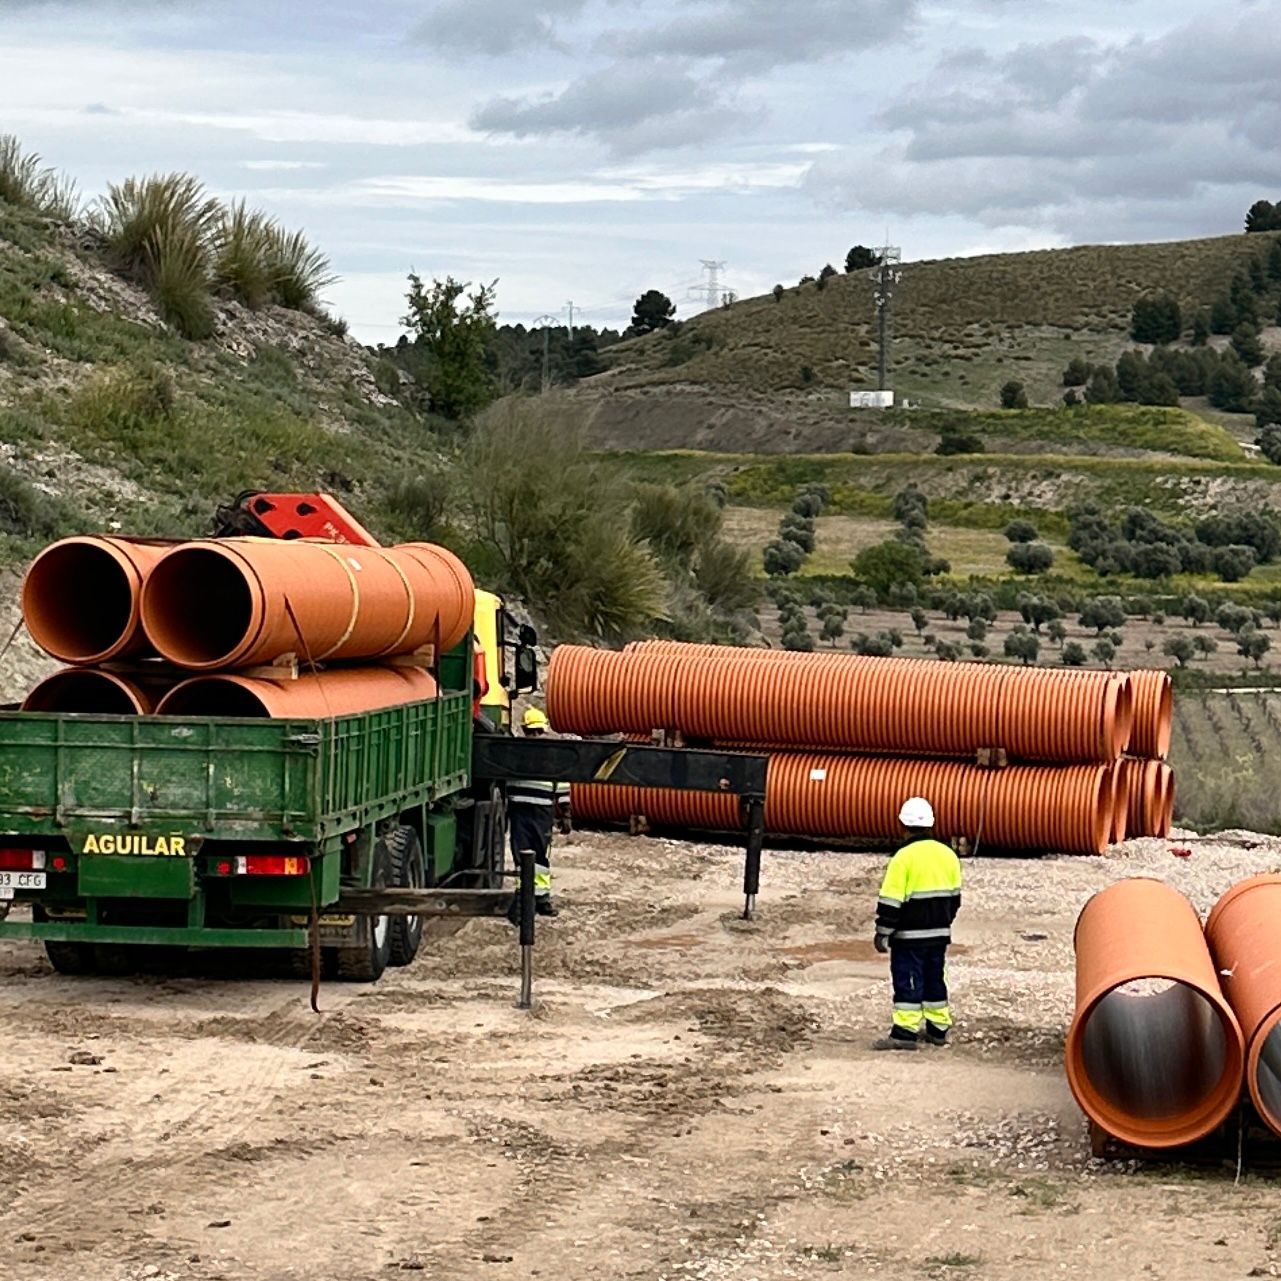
(81, 598)
(904, 706)
(88, 690)
(1153, 714)
(1154, 1053)
(1244, 933)
(230, 603)
(315, 696)
(1062, 808)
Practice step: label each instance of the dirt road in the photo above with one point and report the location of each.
(694, 1098)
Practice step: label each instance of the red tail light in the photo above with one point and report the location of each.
(21, 860)
(264, 865)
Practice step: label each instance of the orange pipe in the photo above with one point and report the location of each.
(1153, 714)
(1154, 1053)
(237, 602)
(315, 696)
(85, 689)
(1061, 808)
(1121, 778)
(906, 706)
(1243, 930)
(81, 598)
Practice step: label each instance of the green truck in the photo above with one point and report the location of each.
(331, 839)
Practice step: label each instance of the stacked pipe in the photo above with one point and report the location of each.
(1174, 1023)
(850, 737)
(194, 628)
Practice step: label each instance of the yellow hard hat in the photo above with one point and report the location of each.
(534, 718)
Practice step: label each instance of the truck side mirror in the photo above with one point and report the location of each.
(526, 680)
(526, 635)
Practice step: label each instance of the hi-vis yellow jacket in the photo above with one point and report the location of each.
(920, 895)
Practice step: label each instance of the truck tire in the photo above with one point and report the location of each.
(367, 957)
(70, 958)
(408, 872)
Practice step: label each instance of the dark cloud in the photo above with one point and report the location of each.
(632, 106)
(1091, 140)
(494, 26)
(755, 35)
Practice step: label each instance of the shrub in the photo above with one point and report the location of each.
(1231, 386)
(1102, 388)
(299, 273)
(1269, 442)
(241, 242)
(178, 279)
(1077, 373)
(863, 598)
(1156, 319)
(1179, 648)
(1104, 650)
(1205, 645)
(954, 440)
(977, 630)
(421, 505)
(674, 521)
(782, 557)
(1253, 644)
(1056, 631)
(877, 646)
(1257, 529)
(947, 651)
(1245, 342)
(885, 564)
(1232, 618)
(1030, 558)
(1233, 563)
(778, 291)
(798, 641)
(137, 213)
(723, 574)
(1013, 395)
(1023, 645)
(25, 511)
(1103, 612)
(26, 184)
(1072, 655)
(832, 628)
(920, 619)
(1021, 531)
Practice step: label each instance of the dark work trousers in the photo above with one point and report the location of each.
(919, 975)
(531, 829)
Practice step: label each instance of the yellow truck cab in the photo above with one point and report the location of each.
(497, 634)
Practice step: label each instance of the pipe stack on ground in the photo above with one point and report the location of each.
(1173, 1023)
(158, 612)
(850, 737)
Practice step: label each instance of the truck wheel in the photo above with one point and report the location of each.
(366, 959)
(495, 853)
(70, 958)
(408, 872)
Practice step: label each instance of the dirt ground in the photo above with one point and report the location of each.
(694, 1097)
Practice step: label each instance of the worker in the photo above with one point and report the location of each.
(920, 896)
(534, 808)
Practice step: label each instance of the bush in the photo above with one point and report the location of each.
(1077, 373)
(1013, 395)
(1104, 650)
(674, 521)
(798, 642)
(241, 247)
(1102, 388)
(1231, 386)
(421, 505)
(1072, 655)
(977, 630)
(798, 530)
(1103, 612)
(1257, 529)
(1245, 342)
(26, 512)
(26, 184)
(883, 565)
(299, 273)
(1179, 648)
(947, 651)
(1030, 558)
(1233, 563)
(954, 440)
(1269, 442)
(1232, 618)
(782, 557)
(533, 494)
(1021, 531)
(723, 575)
(1156, 319)
(1023, 645)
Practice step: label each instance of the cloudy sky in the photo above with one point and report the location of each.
(586, 150)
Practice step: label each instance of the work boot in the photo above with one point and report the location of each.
(936, 1038)
(544, 906)
(894, 1043)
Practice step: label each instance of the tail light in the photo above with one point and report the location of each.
(22, 860)
(263, 865)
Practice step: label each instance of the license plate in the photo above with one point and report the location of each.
(21, 881)
(5, 893)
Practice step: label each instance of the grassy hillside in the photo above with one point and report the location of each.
(108, 416)
(962, 326)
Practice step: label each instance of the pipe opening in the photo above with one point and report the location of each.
(1155, 1050)
(93, 693)
(213, 697)
(198, 607)
(78, 601)
(1267, 1077)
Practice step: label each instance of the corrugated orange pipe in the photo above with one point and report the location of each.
(81, 598)
(1244, 933)
(89, 690)
(1154, 1053)
(314, 696)
(907, 706)
(227, 602)
(1121, 778)
(1061, 808)
(1153, 714)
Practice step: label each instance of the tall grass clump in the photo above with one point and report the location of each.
(26, 184)
(299, 273)
(158, 233)
(243, 246)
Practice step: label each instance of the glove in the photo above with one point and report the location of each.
(881, 943)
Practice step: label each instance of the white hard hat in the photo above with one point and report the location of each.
(916, 812)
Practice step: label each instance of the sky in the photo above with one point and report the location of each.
(588, 150)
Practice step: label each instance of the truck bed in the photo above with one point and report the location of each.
(77, 777)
